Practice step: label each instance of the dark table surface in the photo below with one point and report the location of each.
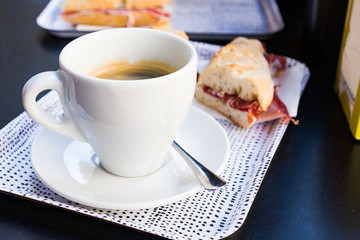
(312, 187)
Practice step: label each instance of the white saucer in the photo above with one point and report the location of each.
(71, 169)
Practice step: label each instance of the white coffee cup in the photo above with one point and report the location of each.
(129, 124)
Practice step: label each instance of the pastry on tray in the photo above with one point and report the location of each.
(115, 13)
(237, 83)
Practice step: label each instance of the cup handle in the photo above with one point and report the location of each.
(62, 123)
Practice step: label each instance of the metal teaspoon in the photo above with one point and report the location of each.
(207, 178)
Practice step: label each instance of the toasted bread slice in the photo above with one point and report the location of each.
(240, 81)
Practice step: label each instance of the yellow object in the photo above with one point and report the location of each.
(348, 72)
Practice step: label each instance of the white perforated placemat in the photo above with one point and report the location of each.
(205, 215)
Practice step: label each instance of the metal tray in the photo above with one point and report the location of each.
(200, 19)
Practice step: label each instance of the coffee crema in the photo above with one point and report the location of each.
(144, 69)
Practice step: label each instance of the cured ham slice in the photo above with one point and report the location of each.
(251, 107)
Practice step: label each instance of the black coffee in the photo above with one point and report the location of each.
(144, 69)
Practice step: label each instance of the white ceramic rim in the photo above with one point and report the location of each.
(193, 55)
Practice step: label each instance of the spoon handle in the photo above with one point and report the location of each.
(207, 178)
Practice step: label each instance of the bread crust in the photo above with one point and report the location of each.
(80, 5)
(125, 18)
(240, 68)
